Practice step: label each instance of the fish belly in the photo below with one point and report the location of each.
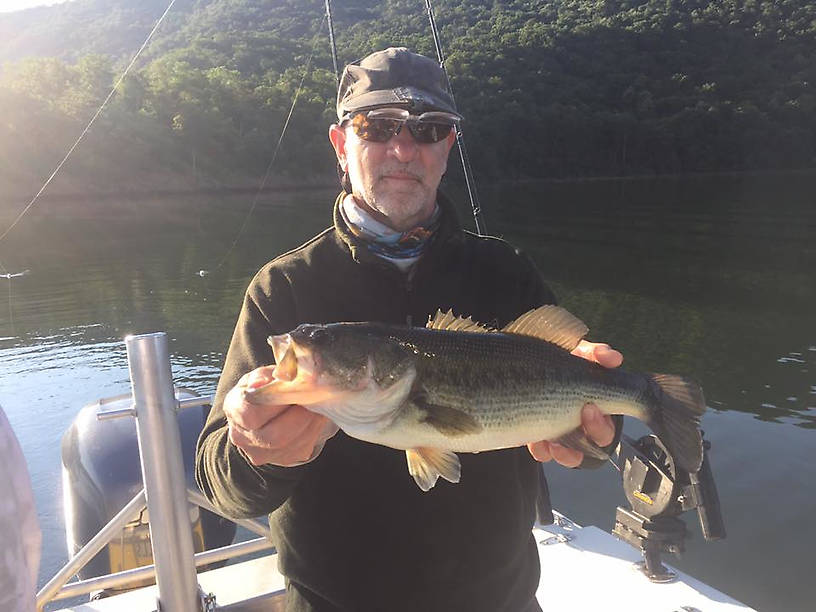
(501, 427)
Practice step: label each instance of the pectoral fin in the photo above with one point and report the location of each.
(445, 419)
(426, 465)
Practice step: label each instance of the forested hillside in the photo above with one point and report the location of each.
(549, 89)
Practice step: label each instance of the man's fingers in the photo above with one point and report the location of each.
(540, 451)
(249, 415)
(599, 427)
(545, 450)
(293, 425)
(293, 437)
(600, 353)
(259, 376)
(607, 356)
(568, 457)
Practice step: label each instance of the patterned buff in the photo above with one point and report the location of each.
(402, 249)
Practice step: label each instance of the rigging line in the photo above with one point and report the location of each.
(7, 275)
(470, 182)
(90, 123)
(331, 41)
(272, 161)
(11, 310)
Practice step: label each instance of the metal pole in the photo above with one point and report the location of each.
(165, 484)
(130, 577)
(88, 552)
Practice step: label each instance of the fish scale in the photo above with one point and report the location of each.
(518, 389)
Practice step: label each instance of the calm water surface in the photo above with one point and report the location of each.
(708, 277)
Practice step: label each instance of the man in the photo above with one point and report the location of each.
(352, 529)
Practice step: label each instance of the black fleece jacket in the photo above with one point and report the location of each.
(352, 529)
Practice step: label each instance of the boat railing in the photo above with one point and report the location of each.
(165, 495)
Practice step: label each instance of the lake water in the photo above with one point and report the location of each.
(711, 277)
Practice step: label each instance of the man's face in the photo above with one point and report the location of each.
(396, 180)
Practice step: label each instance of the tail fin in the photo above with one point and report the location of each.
(676, 419)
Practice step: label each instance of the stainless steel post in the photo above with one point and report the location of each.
(165, 485)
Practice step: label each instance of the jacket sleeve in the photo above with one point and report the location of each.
(223, 473)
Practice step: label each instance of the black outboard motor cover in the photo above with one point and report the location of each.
(101, 473)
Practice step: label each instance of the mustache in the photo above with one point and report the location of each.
(407, 172)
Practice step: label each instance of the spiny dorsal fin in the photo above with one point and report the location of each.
(450, 322)
(550, 323)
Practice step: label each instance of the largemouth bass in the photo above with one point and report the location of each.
(457, 386)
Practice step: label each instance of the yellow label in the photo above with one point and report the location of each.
(644, 498)
(132, 548)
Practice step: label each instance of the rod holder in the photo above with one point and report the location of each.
(160, 453)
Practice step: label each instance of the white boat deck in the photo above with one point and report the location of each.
(582, 568)
(596, 571)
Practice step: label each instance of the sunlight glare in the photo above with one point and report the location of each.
(9, 6)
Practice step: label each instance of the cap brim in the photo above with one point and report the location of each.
(411, 96)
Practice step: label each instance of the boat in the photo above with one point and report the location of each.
(626, 569)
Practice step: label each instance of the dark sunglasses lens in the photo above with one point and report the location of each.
(374, 130)
(427, 133)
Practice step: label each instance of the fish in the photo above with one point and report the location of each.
(458, 386)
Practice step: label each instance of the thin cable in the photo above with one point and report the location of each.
(11, 311)
(271, 162)
(90, 123)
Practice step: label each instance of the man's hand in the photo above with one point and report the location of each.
(286, 436)
(598, 427)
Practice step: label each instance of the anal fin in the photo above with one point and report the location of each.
(426, 465)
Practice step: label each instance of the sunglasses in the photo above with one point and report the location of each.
(380, 125)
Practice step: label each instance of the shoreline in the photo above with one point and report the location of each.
(676, 175)
(329, 182)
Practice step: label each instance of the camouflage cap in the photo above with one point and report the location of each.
(394, 76)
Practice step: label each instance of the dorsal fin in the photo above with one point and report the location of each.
(550, 323)
(450, 322)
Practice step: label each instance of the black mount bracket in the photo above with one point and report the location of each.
(659, 493)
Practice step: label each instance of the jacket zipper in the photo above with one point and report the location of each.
(409, 286)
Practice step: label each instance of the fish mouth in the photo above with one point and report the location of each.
(295, 377)
(286, 361)
(293, 360)
(280, 344)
